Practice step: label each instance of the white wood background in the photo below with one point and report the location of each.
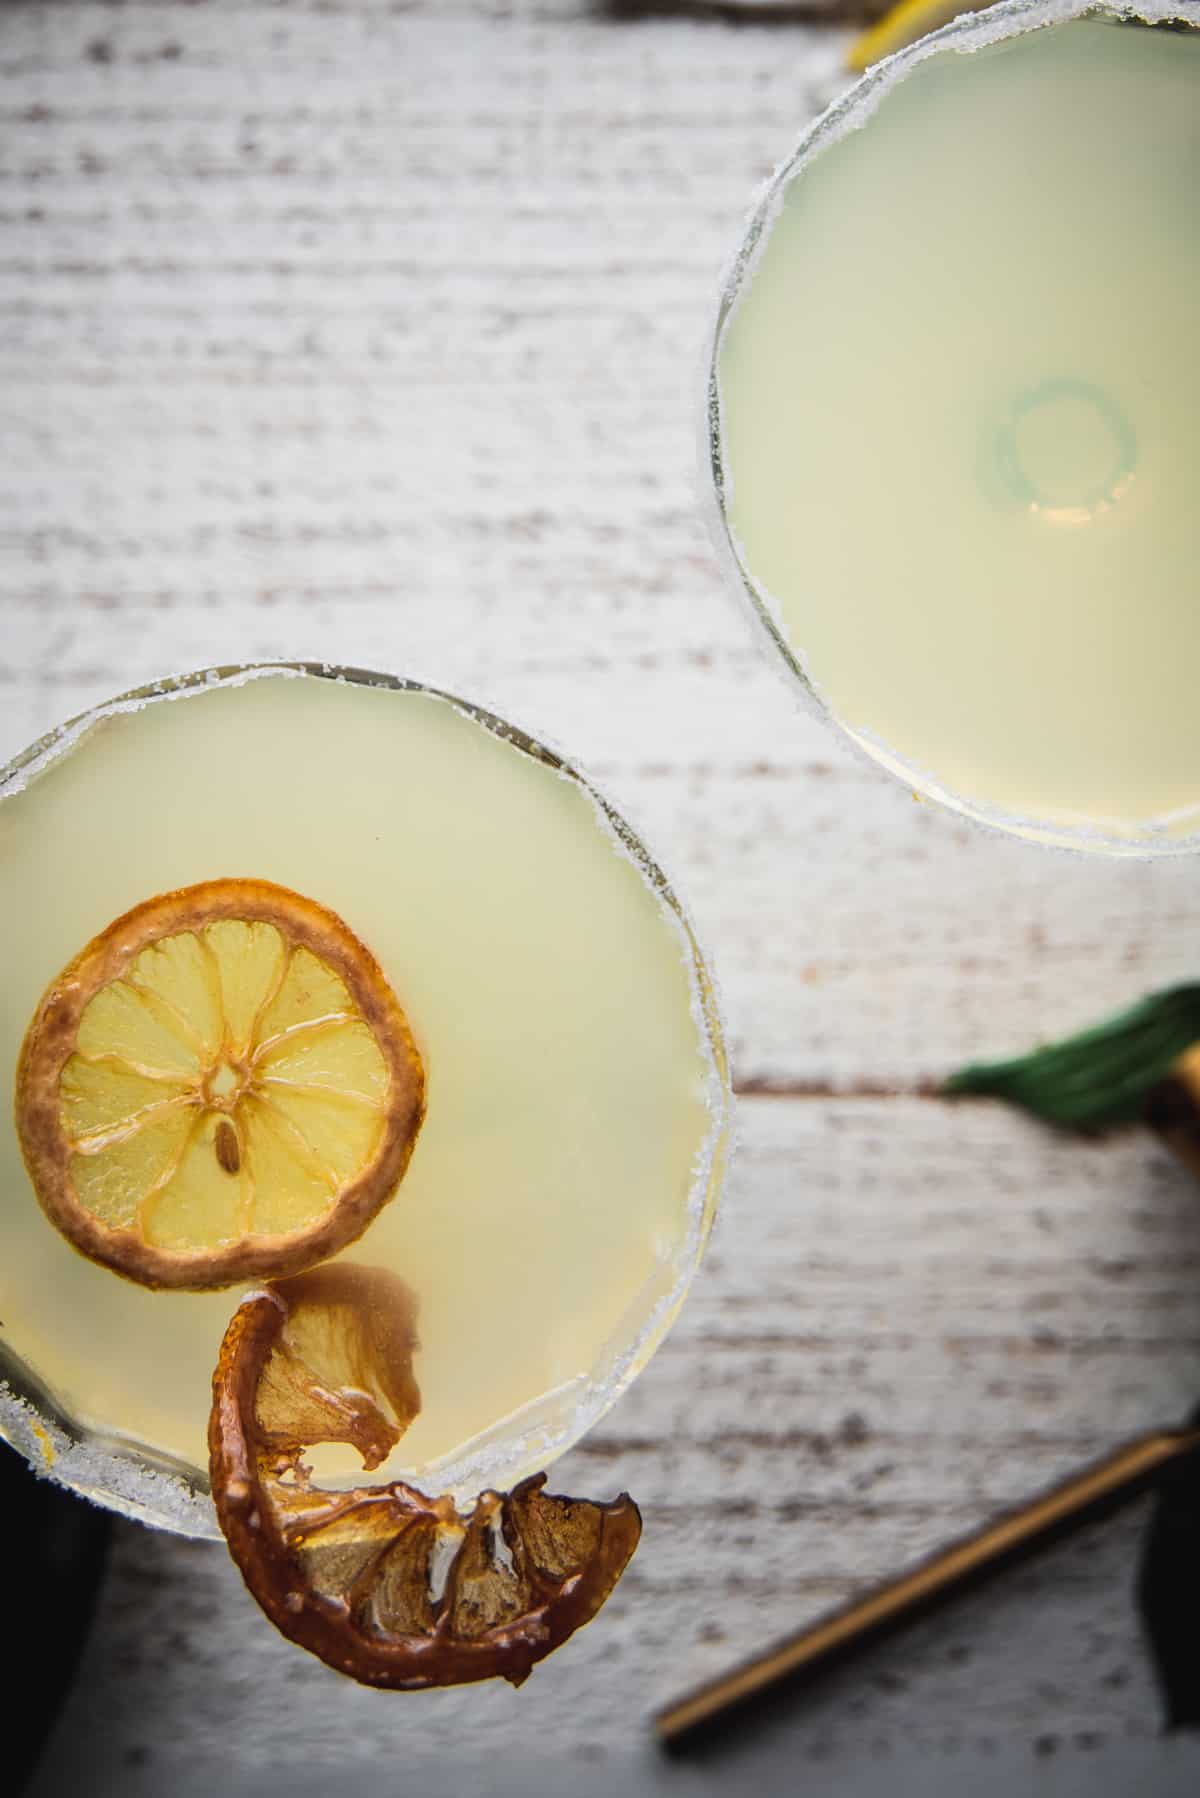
(372, 331)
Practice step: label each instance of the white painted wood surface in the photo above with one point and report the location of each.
(372, 332)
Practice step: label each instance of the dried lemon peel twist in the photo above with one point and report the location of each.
(221, 1086)
(383, 1583)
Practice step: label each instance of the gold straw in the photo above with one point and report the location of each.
(1089, 1494)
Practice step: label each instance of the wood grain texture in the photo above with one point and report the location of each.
(373, 332)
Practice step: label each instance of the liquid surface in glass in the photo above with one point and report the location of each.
(961, 427)
(557, 1198)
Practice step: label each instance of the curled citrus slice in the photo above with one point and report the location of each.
(221, 1085)
(387, 1585)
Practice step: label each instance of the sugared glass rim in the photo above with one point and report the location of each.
(159, 1490)
(967, 33)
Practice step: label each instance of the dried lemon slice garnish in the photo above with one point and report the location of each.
(220, 1086)
(387, 1585)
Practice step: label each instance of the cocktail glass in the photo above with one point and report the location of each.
(504, 857)
(950, 424)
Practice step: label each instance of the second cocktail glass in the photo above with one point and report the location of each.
(952, 420)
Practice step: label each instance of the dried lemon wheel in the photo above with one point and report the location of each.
(387, 1585)
(221, 1086)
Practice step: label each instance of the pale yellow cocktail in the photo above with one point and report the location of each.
(563, 1182)
(955, 415)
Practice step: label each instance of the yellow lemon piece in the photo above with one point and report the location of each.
(901, 25)
(220, 1086)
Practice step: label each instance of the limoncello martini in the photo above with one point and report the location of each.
(955, 419)
(564, 1180)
